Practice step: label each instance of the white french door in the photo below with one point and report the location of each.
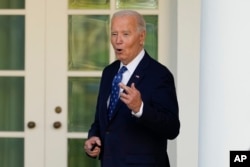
(34, 111)
(66, 48)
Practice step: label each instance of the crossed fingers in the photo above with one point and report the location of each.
(131, 97)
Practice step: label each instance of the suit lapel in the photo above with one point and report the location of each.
(139, 72)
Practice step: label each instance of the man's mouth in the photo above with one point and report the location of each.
(118, 50)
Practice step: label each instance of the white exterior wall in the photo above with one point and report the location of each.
(224, 80)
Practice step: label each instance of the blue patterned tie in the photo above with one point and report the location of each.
(114, 96)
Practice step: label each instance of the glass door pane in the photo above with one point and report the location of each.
(12, 152)
(12, 42)
(136, 4)
(88, 4)
(88, 42)
(151, 42)
(82, 95)
(12, 4)
(11, 104)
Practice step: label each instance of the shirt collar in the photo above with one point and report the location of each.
(133, 64)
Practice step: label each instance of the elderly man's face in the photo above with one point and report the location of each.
(126, 40)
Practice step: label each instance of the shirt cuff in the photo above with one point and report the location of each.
(138, 114)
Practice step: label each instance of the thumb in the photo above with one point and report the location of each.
(133, 86)
(98, 142)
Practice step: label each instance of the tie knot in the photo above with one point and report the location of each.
(122, 70)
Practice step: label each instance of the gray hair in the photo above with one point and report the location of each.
(140, 20)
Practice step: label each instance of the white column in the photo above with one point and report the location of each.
(188, 54)
(224, 80)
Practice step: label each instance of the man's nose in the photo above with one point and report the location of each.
(119, 39)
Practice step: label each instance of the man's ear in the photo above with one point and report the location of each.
(142, 37)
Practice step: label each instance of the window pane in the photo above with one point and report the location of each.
(136, 4)
(89, 4)
(82, 94)
(12, 152)
(88, 42)
(77, 157)
(151, 43)
(11, 42)
(11, 104)
(12, 4)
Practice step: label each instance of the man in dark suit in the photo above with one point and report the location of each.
(134, 130)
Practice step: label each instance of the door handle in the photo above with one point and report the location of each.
(57, 124)
(58, 109)
(31, 124)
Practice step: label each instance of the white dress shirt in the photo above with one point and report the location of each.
(127, 74)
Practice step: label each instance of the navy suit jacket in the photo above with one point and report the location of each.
(128, 141)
